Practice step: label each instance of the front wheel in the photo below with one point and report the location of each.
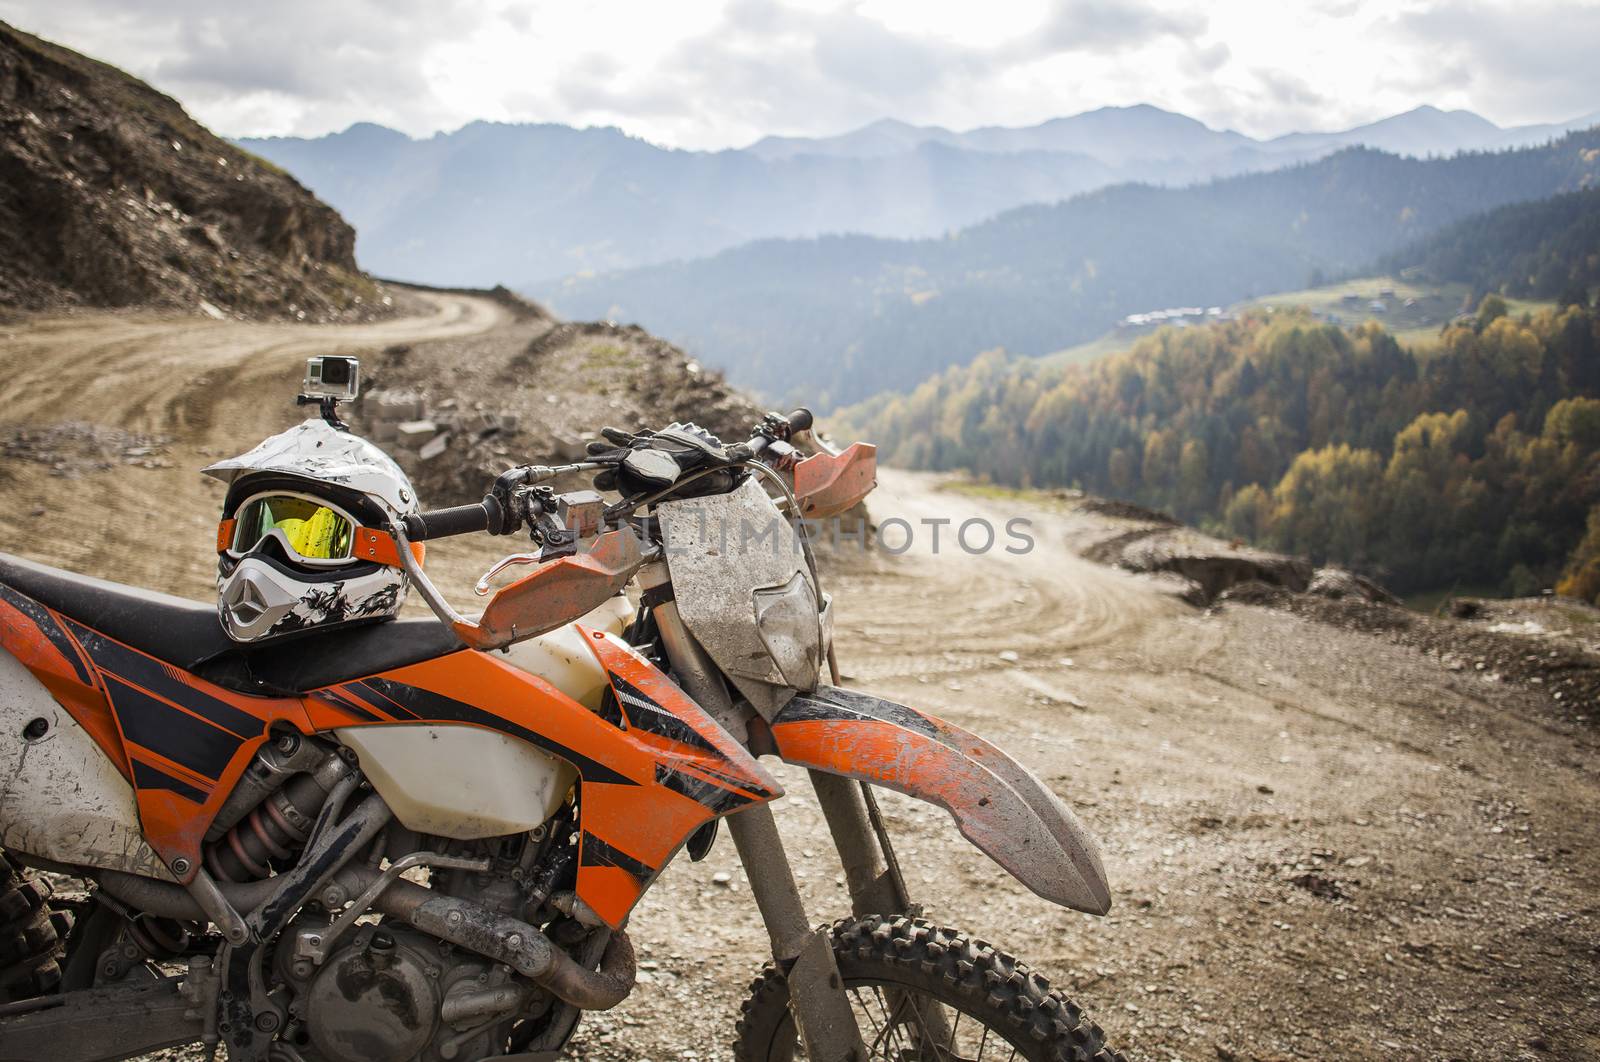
(922, 993)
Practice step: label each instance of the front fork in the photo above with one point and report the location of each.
(805, 954)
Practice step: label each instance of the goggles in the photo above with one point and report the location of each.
(309, 530)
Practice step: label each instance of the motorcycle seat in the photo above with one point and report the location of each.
(188, 635)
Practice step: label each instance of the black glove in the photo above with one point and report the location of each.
(650, 462)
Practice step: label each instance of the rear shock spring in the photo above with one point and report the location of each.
(270, 835)
(160, 938)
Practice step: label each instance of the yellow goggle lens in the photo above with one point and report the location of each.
(313, 531)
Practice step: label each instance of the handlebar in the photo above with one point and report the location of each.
(774, 429)
(493, 516)
(456, 520)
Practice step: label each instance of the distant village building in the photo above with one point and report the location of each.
(1176, 317)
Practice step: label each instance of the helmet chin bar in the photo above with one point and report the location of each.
(555, 593)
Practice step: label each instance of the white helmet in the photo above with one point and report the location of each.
(304, 541)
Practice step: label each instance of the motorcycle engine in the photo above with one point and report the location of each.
(392, 994)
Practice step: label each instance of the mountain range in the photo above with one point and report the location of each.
(493, 202)
(835, 319)
(1123, 135)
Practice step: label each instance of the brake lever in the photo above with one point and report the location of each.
(482, 586)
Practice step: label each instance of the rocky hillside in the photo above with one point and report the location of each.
(457, 412)
(111, 195)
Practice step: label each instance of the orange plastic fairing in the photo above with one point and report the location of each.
(654, 767)
(998, 804)
(556, 593)
(180, 740)
(829, 484)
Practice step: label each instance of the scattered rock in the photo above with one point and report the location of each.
(1207, 565)
(74, 448)
(1318, 885)
(1338, 584)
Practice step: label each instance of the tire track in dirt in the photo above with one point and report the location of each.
(942, 611)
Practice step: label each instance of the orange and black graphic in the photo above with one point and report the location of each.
(381, 699)
(181, 741)
(46, 624)
(653, 767)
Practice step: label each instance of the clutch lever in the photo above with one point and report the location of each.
(483, 585)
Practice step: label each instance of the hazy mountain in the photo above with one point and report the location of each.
(1430, 131)
(1124, 135)
(492, 202)
(1116, 136)
(836, 319)
(886, 136)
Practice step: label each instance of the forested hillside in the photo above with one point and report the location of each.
(1541, 250)
(1478, 465)
(838, 319)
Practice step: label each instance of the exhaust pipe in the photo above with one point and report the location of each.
(461, 922)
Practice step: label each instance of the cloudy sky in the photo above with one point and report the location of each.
(719, 73)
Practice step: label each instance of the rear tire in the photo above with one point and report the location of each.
(30, 936)
(983, 992)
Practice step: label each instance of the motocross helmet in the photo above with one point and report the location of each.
(304, 540)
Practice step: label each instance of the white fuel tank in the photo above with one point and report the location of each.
(466, 782)
(61, 797)
(562, 658)
(460, 781)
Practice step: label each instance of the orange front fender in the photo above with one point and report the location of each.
(998, 804)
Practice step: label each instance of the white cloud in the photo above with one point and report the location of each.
(1536, 58)
(715, 73)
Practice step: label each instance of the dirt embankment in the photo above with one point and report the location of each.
(112, 196)
(1549, 645)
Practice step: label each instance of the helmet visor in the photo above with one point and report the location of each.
(308, 529)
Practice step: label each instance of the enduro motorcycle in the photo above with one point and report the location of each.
(422, 839)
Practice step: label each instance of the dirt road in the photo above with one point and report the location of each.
(211, 388)
(1321, 845)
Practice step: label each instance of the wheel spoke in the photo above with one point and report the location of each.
(893, 1023)
(866, 1009)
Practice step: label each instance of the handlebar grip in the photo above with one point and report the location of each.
(801, 420)
(442, 523)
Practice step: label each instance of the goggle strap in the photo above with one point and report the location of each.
(368, 544)
(379, 546)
